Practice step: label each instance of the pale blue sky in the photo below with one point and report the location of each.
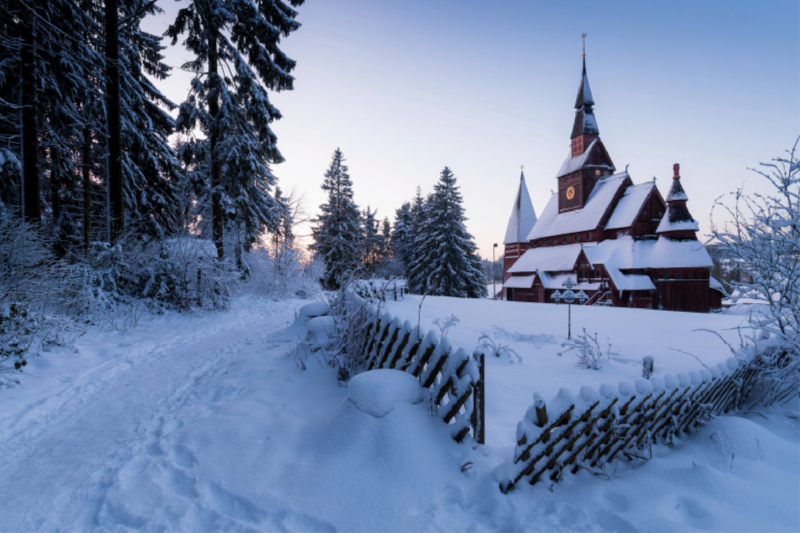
(407, 87)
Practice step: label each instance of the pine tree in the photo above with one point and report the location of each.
(337, 234)
(237, 59)
(451, 264)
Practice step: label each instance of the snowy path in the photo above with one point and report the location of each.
(61, 454)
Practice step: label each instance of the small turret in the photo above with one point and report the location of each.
(677, 222)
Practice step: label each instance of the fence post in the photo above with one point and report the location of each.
(480, 400)
(647, 366)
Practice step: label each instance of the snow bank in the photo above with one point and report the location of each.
(379, 391)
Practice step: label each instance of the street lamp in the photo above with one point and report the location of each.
(494, 285)
(569, 296)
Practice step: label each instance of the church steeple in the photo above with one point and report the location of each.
(523, 216)
(584, 129)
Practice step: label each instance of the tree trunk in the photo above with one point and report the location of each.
(216, 169)
(114, 132)
(30, 134)
(87, 188)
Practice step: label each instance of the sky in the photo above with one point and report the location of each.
(405, 88)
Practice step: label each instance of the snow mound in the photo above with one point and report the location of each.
(378, 392)
(312, 310)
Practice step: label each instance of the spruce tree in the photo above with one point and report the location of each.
(337, 233)
(451, 264)
(237, 59)
(401, 237)
(371, 243)
(416, 250)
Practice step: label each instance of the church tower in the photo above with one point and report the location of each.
(588, 160)
(520, 224)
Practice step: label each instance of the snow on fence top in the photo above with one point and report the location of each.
(451, 375)
(600, 424)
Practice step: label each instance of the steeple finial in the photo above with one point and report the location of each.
(584, 45)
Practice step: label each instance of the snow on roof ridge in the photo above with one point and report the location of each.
(630, 205)
(571, 164)
(552, 223)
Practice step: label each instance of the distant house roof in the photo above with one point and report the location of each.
(519, 282)
(554, 223)
(523, 216)
(630, 205)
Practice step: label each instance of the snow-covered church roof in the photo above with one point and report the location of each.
(630, 205)
(554, 223)
(523, 216)
(623, 253)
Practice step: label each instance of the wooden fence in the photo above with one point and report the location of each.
(454, 378)
(569, 433)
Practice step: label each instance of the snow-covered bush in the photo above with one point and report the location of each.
(444, 324)
(497, 349)
(762, 233)
(41, 297)
(588, 350)
(281, 273)
(177, 273)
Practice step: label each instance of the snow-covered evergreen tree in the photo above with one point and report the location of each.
(451, 265)
(237, 59)
(401, 238)
(371, 243)
(337, 234)
(415, 249)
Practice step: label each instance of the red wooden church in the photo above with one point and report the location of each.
(623, 244)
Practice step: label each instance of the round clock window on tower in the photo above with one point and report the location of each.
(570, 193)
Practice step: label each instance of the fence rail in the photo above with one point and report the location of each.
(454, 378)
(589, 431)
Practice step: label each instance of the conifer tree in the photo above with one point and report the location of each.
(237, 59)
(371, 242)
(451, 264)
(337, 234)
(401, 238)
(416, 250)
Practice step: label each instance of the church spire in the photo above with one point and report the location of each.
(585, 123)
(523, 216)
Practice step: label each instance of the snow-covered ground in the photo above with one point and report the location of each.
(536, 332)
(201, 422)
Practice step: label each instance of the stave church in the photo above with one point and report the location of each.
(621, 243)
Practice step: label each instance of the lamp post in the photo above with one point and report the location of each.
(494, 285)
(569, 296)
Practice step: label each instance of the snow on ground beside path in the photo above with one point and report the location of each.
(537, 331)
(202, 422)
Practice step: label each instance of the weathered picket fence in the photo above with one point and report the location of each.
(454, 378)
(569, 433)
